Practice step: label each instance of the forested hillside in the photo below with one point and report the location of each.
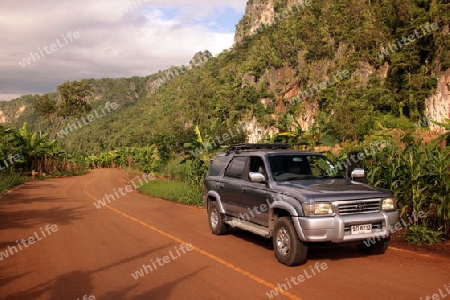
(339, 69)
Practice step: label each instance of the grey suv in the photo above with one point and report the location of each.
(299, 199)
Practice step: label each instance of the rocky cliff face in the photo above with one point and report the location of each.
(257, 12)
(2, 117)
(260, 14)
(438, 105)
(12, 110)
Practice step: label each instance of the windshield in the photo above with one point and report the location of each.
(302, 166)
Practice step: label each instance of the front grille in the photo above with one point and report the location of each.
(359, 207)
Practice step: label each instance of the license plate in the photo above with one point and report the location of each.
(360, 229)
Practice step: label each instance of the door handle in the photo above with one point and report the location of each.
(221, 186)
(244, 190)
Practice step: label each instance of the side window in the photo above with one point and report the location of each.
(257, 165)
(217, 165)
(236, 168)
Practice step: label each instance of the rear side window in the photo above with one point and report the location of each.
(236, 168)
(217, 165)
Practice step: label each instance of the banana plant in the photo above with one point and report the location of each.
(198, 156)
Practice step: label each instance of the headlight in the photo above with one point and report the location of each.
(388, 204)
(312, 209)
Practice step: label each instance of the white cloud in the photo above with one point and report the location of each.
(153, 35)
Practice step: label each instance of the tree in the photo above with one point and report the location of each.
(71, 102)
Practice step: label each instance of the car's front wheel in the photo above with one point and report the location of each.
(216, 220)
(289, 250)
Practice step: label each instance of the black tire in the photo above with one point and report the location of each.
(216, 220)
(378, 248)
(289, 250)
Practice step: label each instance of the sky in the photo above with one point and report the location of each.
(47, 42)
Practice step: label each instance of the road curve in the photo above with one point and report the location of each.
(138, 247)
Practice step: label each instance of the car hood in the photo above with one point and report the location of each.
(330, 190)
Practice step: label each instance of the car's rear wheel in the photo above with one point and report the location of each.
(216, 219)
(379, 247)
(289, 250)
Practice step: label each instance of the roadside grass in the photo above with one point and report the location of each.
(173, 191)
(8, 181)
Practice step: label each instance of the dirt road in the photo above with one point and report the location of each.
(139, 247)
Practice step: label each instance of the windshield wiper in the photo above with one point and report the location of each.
(301, 177)
(332, 177)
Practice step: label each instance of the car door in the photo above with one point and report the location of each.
(254, 195)
(230, 185)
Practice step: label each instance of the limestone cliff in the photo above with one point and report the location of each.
(257, 12)
(260, 14)
(438, 105)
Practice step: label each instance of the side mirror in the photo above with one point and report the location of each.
(353, 162)
(257, 177)
(358, 174)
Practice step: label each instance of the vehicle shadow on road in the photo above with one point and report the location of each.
(335, 253)
(252, 238)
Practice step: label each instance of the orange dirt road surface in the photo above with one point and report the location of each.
(90, 252)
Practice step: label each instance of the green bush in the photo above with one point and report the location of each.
(418, 235)
(402, 122)
(176, 170)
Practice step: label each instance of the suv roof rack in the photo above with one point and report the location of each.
(240, 147)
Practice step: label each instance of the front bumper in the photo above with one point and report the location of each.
(337, 229)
